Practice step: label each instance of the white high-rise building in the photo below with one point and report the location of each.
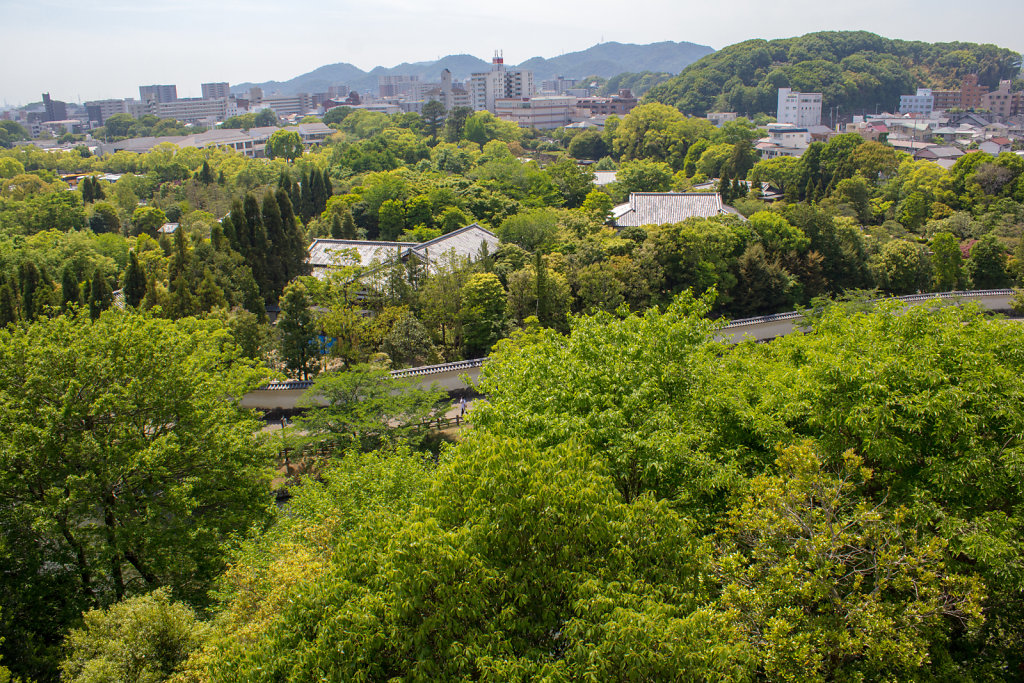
(499, 82)
(799, 108)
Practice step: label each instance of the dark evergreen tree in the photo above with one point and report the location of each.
(276, 253)
(30, 286)
(318, 191)
(100, 295)
(8, 305)
(228, 225)
(86, 187)
(221, 180)
(70, 293)
(348, 226)
(297, 332)
(336, 227)
(284, 182)
(725, 187)
(134, 282)
(295, 243)
(206, 174)
(306, 207)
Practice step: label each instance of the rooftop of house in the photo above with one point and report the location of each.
(662, 208)
(465, 242)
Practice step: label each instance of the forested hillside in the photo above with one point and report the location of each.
(854, 70)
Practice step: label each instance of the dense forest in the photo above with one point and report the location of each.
(632, 501)
(857, 71)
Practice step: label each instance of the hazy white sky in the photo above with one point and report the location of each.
(80, 50)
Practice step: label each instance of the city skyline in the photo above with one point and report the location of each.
(186, 43)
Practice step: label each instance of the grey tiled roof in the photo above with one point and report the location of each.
(464, 242)
(662, 208)
(326, 253)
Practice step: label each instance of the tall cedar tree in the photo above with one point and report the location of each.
(336, 227)
(206, 174)
(257, 243)
(8, 305)
(297, 332)
(277, 275)
(306, 198)
(134, 282)
(70, 293)
(317, 191)
(30, 282)
(100, 296)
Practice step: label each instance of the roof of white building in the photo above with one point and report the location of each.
(462, 243)
(662, 208)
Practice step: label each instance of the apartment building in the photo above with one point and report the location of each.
(158, 93)
(499, 83)
(213, 91)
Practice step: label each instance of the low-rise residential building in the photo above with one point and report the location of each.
(620, 104)
(784, 140)
(717, 118)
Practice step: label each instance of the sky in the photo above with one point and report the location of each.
(80, 51)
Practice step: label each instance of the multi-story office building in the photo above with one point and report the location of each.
(547, 111)
(212, 91)
(799, 108)
(158, 93)
(485, 88)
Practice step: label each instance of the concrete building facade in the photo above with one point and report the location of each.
(799, 108)
(212, 91)
(158, 93)
(485, 88)
(545, 112)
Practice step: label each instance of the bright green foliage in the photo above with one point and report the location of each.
(986, 264)
(531, 230)
(829, 586)
(286, 144)
(598, 205)
(144, 639)
(643, 176)
(459, 579)
(947, 262)
(146, 220)
(623, 386)
(365, 408)
(125, 462)
(482, 313)
(903, 268)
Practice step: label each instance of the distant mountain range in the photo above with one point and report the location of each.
(604, 59)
